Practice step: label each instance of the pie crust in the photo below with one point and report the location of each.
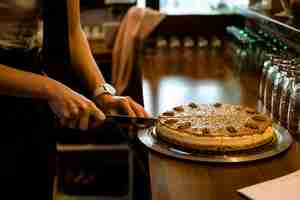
(215, 127)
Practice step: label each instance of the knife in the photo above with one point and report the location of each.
(124, 119)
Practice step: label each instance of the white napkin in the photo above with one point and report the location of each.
(285, 187)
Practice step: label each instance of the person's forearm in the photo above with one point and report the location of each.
(83, 61)
(14, 82)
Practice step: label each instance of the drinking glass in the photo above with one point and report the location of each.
(266, 66)
(270, 76)
(277, 90)
(286, 88)
(294, 106)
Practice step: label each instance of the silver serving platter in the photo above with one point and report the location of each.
(282, 142)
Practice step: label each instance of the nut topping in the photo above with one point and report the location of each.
(260, 118)
(238, 108)
(193, 105)
(251, 111)
(184, 125)
(231, 129)
(179, 109)
(217, 105)
(205, 131)
(251, 125)
(171, 121)
(171, 114)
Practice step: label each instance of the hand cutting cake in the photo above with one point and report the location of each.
(215, 127)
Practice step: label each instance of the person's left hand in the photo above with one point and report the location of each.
(121, 105)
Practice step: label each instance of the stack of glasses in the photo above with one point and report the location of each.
(250, 49)
(279, 91)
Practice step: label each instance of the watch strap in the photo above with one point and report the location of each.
(104, 89)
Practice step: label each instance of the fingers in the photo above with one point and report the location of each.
(92, 117)
(67, 118)
(96, 112)
(84, 120)
(138, 109)
(126, 106)
(140, 112)
(83, 115)
(73, 109)
(97, 117)
(74, 112)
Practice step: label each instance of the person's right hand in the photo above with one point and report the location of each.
(73, 109)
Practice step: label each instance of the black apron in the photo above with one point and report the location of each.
(27, 143)
(27, 147)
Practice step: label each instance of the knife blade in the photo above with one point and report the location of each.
(124, 119)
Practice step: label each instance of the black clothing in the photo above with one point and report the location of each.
(25, 137)
(28, 136)
(56, 50)
(27, 144)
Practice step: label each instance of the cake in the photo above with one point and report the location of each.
(215, 127)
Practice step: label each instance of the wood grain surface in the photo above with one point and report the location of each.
(176, 76)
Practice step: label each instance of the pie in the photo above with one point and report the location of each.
(215, 127)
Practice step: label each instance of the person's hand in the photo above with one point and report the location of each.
(121, 105)
(73, 109)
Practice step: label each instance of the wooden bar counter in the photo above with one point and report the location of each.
(173, 77)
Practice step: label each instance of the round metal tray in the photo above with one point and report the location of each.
(281, 143)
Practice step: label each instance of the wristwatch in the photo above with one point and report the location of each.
(104, 89)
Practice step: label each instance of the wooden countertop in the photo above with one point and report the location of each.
(172, 77)
(177, 179)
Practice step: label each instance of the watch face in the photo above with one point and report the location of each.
(109, 89)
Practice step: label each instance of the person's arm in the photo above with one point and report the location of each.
(68, 105)
(80, 54)
(14, 82)
(84, 64)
